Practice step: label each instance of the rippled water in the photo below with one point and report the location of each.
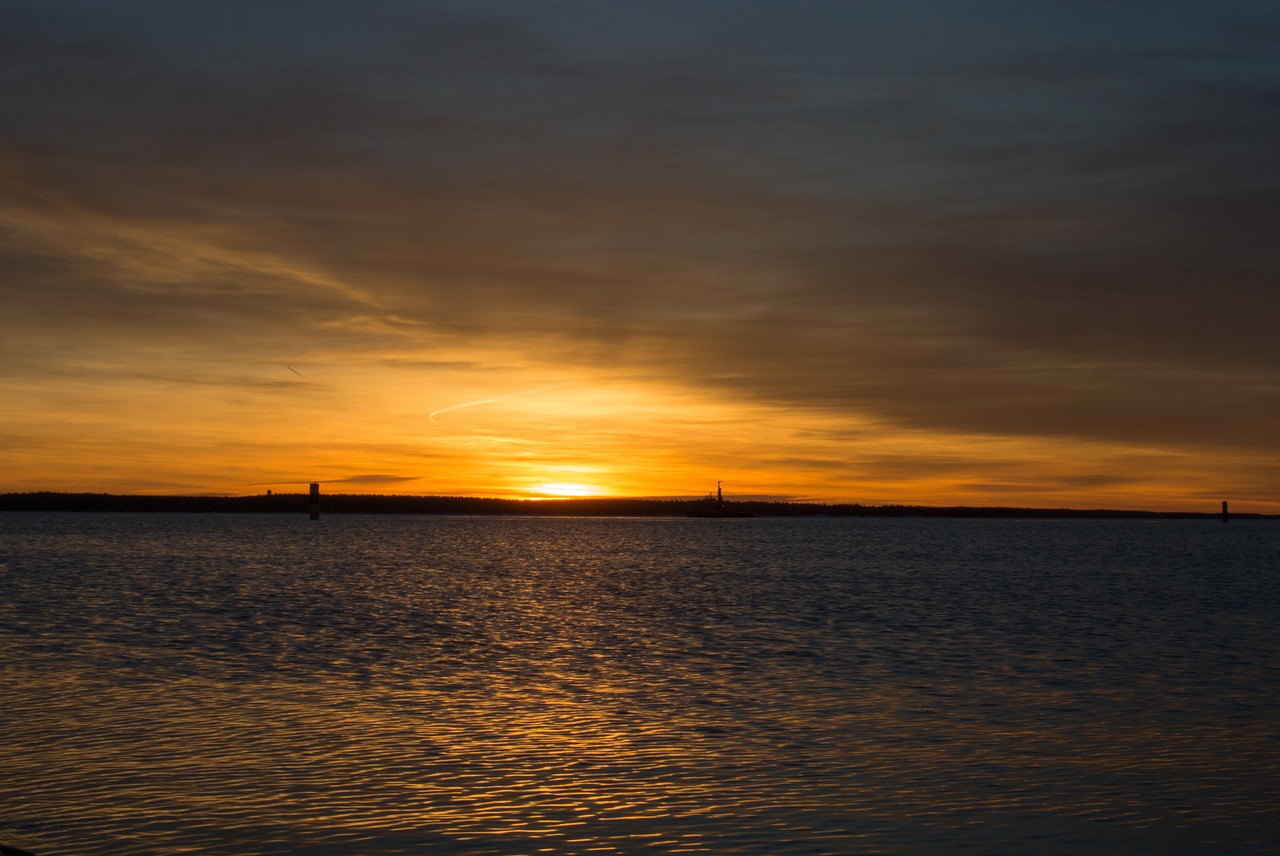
(384, 685)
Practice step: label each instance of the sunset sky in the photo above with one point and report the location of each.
(921, 251)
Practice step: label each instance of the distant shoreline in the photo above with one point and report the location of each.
(345, 503)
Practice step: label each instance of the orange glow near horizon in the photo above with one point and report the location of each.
(568, 490)
(533, 432)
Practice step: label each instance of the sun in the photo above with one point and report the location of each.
(567, 489)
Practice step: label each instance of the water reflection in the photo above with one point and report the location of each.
(408, 685)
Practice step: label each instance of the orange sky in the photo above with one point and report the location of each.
(440, 426)
(498, 252)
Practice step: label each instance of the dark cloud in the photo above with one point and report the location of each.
(372, 479)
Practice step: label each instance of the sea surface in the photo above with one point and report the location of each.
(240, 684)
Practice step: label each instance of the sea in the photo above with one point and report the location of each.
(266, 684)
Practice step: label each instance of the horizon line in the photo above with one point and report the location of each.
(608, 499)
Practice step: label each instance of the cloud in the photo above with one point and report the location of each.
(372, 479)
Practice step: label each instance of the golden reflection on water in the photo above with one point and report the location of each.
(687, 689)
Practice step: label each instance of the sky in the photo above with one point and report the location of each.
(981, 253)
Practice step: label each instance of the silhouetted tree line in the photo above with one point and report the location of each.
(345, 503)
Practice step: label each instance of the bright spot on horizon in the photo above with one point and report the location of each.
(568, 489)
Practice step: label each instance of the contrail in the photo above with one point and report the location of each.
(295, 371)
(432, 417)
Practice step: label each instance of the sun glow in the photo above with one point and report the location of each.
(568, 489)
(512, 432)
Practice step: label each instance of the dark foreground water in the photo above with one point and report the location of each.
(385, 685)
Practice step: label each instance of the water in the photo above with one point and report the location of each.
(385, 685)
